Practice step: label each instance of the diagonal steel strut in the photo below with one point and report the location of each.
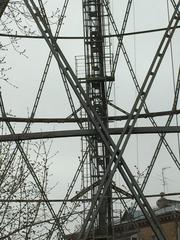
(3, 5)
(153, 122)
(27, 127)
(38, 96)
(138, 105)
(120, 38)
(116, 154)
(159, 145)
(29, 166)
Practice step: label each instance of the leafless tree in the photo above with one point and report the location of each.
(21, 217)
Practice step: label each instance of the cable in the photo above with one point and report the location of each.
(135, 68)
(173, 76)
(80, 37)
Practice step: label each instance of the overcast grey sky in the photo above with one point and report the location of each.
(26, 73)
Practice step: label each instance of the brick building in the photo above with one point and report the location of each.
(138, 228)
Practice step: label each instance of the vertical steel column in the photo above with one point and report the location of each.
(95, 25)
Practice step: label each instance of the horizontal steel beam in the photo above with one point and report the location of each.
(73, 120)
(3, 5)
(87, 189)
(79, 200)
(80, 133)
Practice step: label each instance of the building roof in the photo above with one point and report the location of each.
(166, 214)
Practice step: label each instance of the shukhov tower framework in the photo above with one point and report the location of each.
(102, 157)
(97, 63)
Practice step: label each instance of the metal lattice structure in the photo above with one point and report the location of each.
(102, 157)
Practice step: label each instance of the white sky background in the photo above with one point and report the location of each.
(26, 74)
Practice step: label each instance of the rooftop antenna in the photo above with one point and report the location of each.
(164, 178)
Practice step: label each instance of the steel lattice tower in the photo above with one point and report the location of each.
(102, 157)
(97, 62)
